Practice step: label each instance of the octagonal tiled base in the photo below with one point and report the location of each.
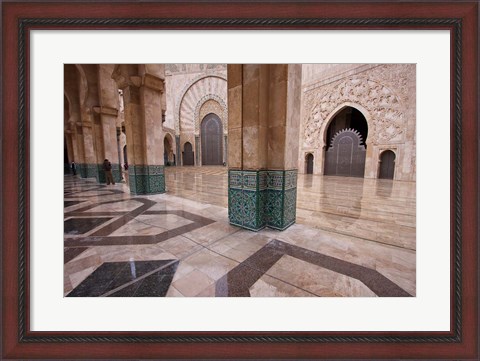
(257, 199)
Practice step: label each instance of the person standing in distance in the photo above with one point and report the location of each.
(73, 166)
(107, 167)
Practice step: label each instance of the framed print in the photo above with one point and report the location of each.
(111, 65)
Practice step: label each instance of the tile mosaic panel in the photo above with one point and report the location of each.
(275, 179)
(82, 170)
(101, 178)
(289, 207)
(117, 172)
(262, 198)
(290, 179)
(235, 179)
(147, 179)
(91, 171)
(274, 208)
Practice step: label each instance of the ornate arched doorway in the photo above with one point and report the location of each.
(346, 139)
(387, 165)
(188, 154)
(211, 138)
(309, 163)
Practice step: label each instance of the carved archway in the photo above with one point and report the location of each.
(186, 89)
(345, 138)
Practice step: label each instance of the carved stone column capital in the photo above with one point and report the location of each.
(105, 111)
(154, 82)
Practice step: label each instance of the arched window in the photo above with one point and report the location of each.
(309, 163)
(387, 165)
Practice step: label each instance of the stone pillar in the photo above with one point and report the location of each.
(80, 158)
(69, 144)
(89, 145)
(197, 150)
(264, 117)
(108, 140)
(178, 155)
(143, 127)
(225, 147)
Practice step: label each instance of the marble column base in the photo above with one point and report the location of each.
(146, 179)
(264, 198)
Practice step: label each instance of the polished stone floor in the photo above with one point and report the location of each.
(353, 237)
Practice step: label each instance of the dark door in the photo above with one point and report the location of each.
(346, 156)
(187, 154)
(387, 165)
(309, 163)
(212, 140)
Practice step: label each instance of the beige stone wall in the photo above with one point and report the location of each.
(384, 93)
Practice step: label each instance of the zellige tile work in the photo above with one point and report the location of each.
(352, 237)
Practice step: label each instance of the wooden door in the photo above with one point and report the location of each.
(188, 154)
(309, 163)
(211, 137)
(387, 165)
(346, 156)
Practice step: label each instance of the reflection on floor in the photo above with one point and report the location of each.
(353, 237)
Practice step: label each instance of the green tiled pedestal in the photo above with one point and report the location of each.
(264, 198)
(146, 179)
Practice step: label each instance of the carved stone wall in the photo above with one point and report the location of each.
(384, 93)
(214, 105)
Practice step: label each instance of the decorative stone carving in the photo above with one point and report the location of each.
(207, 78)
(385, 107)
(211, 103)
(181, 68)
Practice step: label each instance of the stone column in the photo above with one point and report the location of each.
(143, 127)
(197, 151)
(89, 145)
(70, 146)
(178, 155)
(264, 117)
(108, 140)
(80, 157)
(225, 147)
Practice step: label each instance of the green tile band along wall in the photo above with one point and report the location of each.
(90, 171)
(265, 198)
(146, 179)
(116, 174)
(82, 170)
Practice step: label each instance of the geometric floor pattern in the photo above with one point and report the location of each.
(128, 279)
(180, 243)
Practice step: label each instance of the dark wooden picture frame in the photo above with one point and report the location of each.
(460, 18)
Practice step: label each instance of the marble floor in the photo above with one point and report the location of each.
(353, 238)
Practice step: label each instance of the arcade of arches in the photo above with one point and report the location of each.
(240, 180)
